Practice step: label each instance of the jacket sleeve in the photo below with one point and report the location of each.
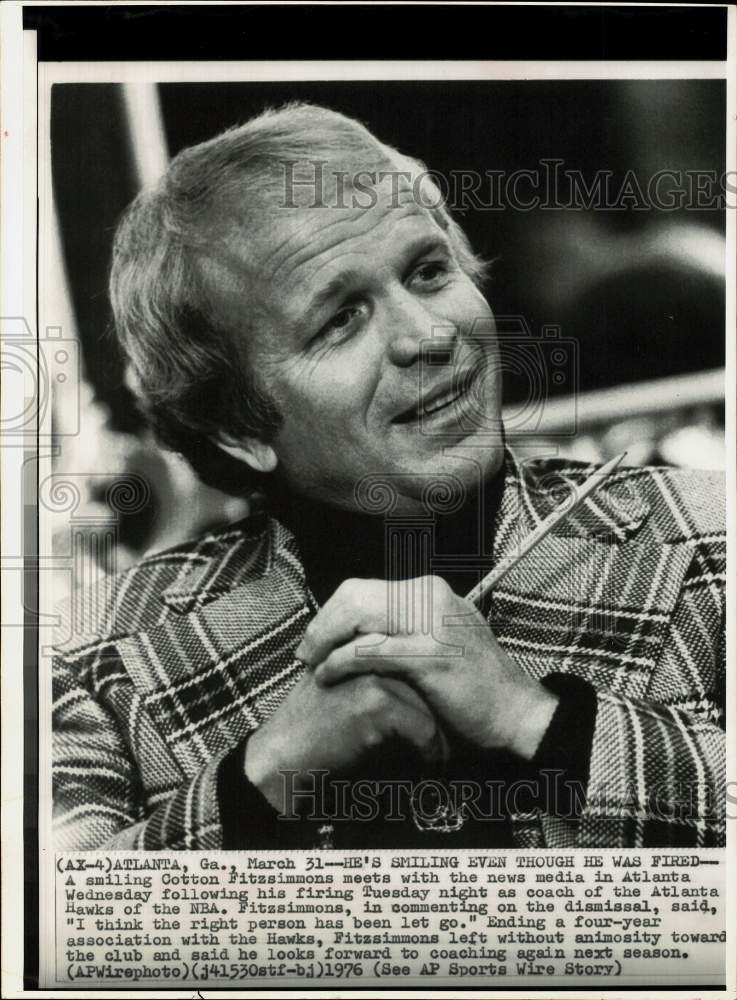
(97, 791)
(658, 764)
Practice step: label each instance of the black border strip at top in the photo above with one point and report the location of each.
(410, 31)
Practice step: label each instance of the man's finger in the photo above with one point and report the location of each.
(356, 606)
(403, 692)
(374, 653)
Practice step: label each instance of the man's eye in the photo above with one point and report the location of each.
(431, 273)
(341, 323)
(342, 319)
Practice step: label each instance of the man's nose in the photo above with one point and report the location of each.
(415, 335)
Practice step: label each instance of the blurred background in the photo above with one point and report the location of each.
(612, 320)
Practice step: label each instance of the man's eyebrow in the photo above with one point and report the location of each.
(428, 244)
(341, 283)
(335, 287)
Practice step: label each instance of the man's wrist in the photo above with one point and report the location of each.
(259, 770)
(535, 710)
(248, 819)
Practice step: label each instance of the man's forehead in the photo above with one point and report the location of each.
(324, 184)
(294, 244)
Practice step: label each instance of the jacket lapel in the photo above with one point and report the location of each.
(591, 599)
(221, 664)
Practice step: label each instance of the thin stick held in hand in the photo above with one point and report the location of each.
(543, 529)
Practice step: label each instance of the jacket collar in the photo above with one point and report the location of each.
(221, 561)
(534, 487)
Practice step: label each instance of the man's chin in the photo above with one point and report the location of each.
(443, 481)
(474, 461)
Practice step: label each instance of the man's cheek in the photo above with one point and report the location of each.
(318, 428)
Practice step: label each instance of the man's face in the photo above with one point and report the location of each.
(379, 352)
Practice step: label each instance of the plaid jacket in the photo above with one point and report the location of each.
(176, 660)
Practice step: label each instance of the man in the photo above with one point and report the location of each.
(303, 319)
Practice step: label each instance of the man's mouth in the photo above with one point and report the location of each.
(436, 400)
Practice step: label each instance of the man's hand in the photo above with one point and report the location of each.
(421, 631)
(336, 728)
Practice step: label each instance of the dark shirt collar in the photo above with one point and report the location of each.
(450, 536)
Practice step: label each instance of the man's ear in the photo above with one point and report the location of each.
(259, 456)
